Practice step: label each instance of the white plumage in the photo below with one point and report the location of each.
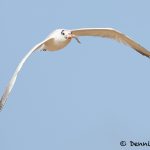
(61, 38)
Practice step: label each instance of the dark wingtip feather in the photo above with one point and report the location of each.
(1, 106)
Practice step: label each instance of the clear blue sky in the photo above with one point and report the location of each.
(84, 97)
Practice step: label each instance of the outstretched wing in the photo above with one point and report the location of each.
(14, 77)
(112, 34)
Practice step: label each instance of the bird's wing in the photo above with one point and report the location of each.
(112, 34)
(13, 78)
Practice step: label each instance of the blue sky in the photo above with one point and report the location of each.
(87, 96)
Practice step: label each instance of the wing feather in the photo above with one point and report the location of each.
(14, 77)
(112, 34)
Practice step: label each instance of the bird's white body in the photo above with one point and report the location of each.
(55, 42)
(62, 37)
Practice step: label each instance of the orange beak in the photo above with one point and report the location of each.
(73, 36)
(70, 37)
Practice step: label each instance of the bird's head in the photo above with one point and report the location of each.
(66, 35)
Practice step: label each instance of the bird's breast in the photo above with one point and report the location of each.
(54, 44)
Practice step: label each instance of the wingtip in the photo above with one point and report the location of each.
(1, 106)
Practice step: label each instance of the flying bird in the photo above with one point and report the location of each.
(62, 37)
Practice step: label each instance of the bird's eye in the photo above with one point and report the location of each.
(62, 32)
